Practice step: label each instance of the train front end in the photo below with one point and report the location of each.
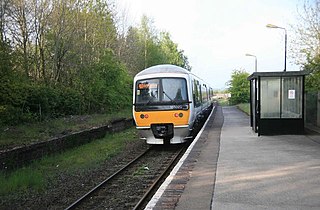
(161, 107)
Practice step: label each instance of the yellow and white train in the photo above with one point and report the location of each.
(169, 101)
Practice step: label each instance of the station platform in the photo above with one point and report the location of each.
(229, 167)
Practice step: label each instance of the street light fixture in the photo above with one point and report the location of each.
(255, 57)
(285, 43)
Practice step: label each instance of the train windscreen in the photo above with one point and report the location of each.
(161, 94)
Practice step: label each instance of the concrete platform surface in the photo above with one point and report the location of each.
(230, 167)
(265, 172)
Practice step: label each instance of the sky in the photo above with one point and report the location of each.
(215, 35)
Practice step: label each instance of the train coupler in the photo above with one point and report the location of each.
(161, 131)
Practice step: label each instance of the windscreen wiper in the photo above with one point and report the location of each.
(169, 97)
(148, 102)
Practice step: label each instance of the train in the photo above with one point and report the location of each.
(168, 103)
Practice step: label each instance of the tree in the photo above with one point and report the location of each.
(308, 43)
(42, 12)
(68, 57)
(146, 47)
(307, 31)
(133, 52)
(148, 37)
(3, 8)
(239, 87)
(313, 79)
(20, 28)
(172, 54)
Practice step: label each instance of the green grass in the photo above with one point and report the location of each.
(22, 180)
(245, 107)
(223, 102)
(37, 175)
(11, 136)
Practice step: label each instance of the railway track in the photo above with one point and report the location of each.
(131, 186)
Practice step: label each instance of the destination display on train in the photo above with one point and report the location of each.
(142, 86)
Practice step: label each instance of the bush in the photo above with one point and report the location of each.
(34, 102)
(239, 87)
(105, 87)
(109, 88)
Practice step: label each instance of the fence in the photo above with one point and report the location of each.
(313, 108)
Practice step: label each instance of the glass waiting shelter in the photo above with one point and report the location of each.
(277, 102)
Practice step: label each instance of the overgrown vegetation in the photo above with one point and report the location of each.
(239, 87)
(36, 176)
(223, 102)
(245, 107)
(24, 134)
(72, 57)
(313, 79)
(307, 43)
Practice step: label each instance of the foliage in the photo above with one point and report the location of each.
(5, 59)
(307, 32)
(24, 134)
(223, 102)
(239, 87)
(109, 88)
(150, 48)
(25, 102)
(68, 57)
(307, 43)
(313, 79)
(172, 54)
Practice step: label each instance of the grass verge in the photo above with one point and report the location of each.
(245, 107)
(223, 102)
(12, 136)
(36, 176)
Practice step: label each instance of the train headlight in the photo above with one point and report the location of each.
(185, 107)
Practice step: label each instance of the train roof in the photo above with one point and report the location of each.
(164, 68)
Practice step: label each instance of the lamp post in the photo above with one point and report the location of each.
(255, 57)
(285, 43)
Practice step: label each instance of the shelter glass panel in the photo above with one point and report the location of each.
(270, 97)
(291, 97)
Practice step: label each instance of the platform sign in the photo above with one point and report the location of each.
(291, 94)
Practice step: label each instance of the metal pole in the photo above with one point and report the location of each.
(285, 50)
(285, 43)
(256, 64)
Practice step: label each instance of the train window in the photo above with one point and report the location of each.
(174, 89)
(196, 93)
(200, 93)
(204, 93)
(210, 93)
(147, 90)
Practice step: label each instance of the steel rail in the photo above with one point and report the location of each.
(157, 181)
(78, 202)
